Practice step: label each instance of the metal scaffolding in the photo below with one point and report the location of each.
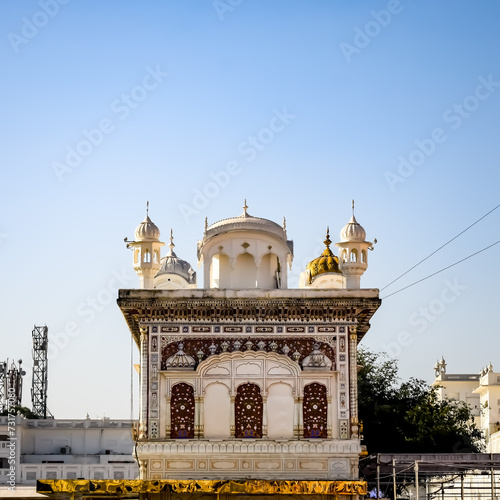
(40, 366)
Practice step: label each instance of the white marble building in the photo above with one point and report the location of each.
(246, 378)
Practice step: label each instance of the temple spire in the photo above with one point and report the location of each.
(171, 246)
(328, 241)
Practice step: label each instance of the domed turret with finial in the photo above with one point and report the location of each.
(353, 256)
(323, 271)
(174, 272)
(146, 248)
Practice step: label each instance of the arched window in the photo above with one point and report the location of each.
(354, 255)
(363, 256)
(156, 260)
(220, 271)
(248, 409)
(182, 412)
(315, 410)
(147, 256)
(245, 272)
(136, 255)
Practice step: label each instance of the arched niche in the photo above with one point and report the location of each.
(363, 257)
(182, 412)
(217, 412)
(245, 271)
(315, 411)
(280, 411)
(267, 271)
(220, 271)
(248, 411)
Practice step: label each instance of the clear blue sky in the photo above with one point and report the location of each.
(180, 90)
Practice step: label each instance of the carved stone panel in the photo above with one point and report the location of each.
(248, 411)
(315, 411)
(182, 412)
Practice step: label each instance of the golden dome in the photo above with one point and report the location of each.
(326, 262)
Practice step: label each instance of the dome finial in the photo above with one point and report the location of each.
(206, 224)
(147, 209)
(245, 208)
(284, 223)
(353, 208)
(328, 241)
(171, 246)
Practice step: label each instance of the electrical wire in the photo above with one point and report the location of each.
(441, 247)
(441, 270)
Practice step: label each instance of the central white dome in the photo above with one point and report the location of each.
(245, 222)
(245, 252)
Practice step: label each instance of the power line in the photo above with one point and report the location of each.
(441, 270)
(440, 248)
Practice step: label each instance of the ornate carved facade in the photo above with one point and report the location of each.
(253, 380)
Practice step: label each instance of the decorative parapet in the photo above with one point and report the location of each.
(246, 446)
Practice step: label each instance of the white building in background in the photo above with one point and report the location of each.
(68, 449)
(489, 393)
(246, 378)
(459, 386)
(481, 391)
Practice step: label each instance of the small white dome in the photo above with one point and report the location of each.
(316, 360)
(180, 360)
(147, 231)
(353, 231)
(171, 264)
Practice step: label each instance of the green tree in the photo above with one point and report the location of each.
(20, 410)
(408, 417)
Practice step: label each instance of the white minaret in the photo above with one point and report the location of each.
(353, 252)
(146, 248)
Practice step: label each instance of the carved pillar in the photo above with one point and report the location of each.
(298, 426)
(199, 417)
(264, 417)
(233, 421)
(353, 381)
(143, 469)
(143, 397)
(168, 417)
(329, 415)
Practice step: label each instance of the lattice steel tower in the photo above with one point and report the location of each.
(40, 366)
(3, 385)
